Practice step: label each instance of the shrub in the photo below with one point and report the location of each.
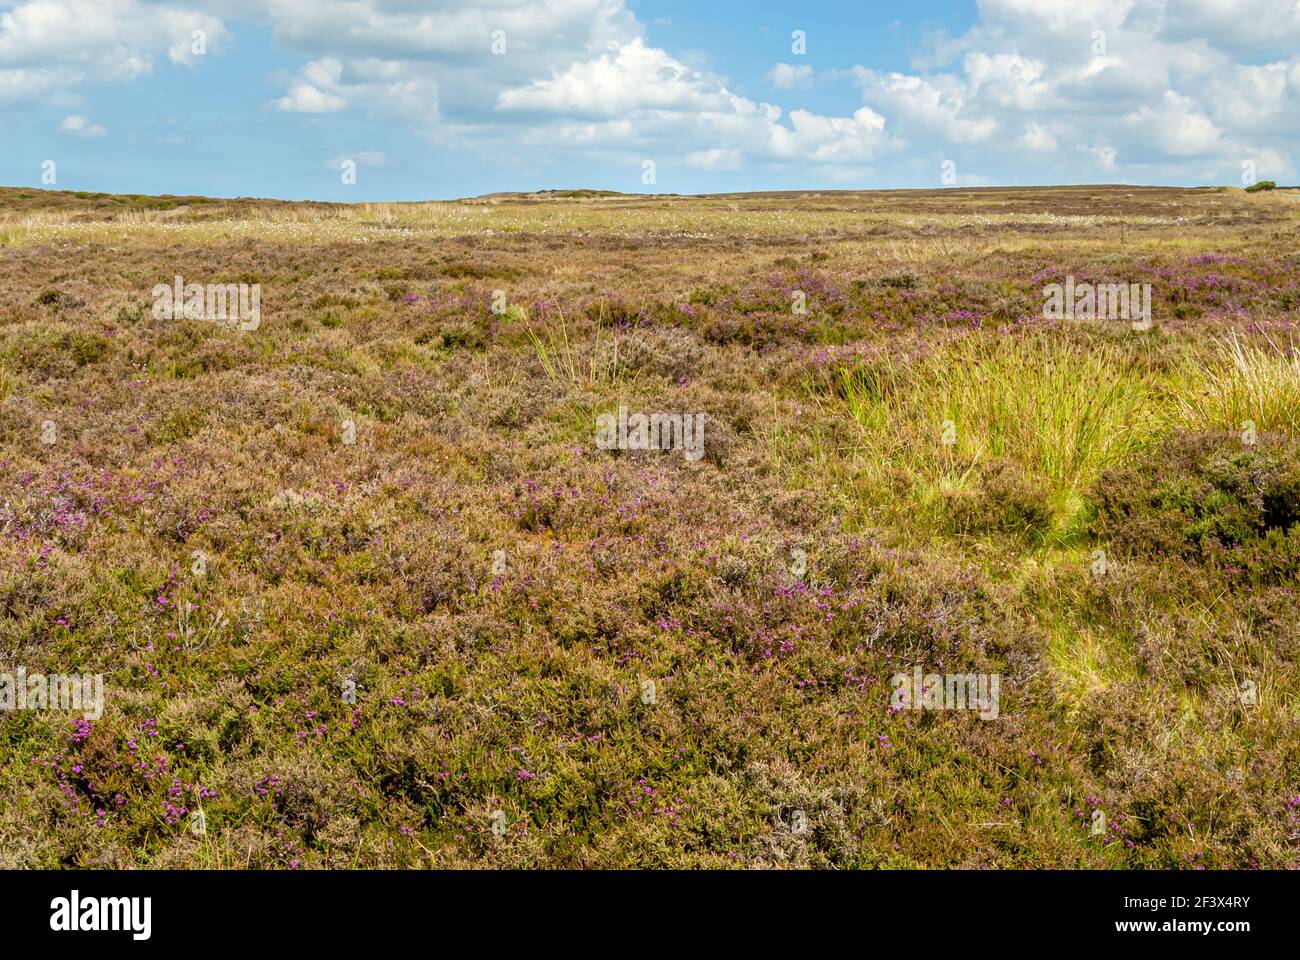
(1005, 500)
(900, 281)
(463, 336)
(1208, 499)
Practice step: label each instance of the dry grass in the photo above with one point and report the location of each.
(1239, 382)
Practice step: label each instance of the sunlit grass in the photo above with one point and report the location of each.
(563, 361)
(1060, 410)
(1085, 662)
(1239, 383)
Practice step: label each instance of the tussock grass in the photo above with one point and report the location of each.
(564, 362)
(1085, 662)
(1061, 410)
(1239, 381)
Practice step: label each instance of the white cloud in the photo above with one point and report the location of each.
(81, 127)
(1124, 85)
(785, 76)
(1009, 80)
(1254, 97)
(641, 97)
(935, 105)
(1105, 155)
(307, 96)
(1056, 16)
(1174, 126)
(1037, 137)
(329, 86)
(419, 61)
(25, 86)
(635, 77)
(47, 46)
(1237, 26)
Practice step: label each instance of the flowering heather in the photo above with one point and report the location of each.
(365, 590)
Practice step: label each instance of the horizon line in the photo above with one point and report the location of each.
(568, 192)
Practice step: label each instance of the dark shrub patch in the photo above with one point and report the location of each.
(900, 281)
(1207, 498)
(87, 347)
(463, 336)
(1005, 501)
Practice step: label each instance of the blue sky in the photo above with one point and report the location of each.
(435, 99)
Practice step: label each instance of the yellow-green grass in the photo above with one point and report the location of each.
(1236, 385)
(1061, 409)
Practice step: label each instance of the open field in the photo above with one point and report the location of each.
(364, 588)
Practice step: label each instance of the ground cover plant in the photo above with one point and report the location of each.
(365, 590)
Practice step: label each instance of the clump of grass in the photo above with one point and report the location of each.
(561, 361)
(11, 236)
(1060, 411)
(1239, 383)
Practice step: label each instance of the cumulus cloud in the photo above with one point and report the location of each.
(1037, 137)
(382, 88)
(81, 127)
(1175, 126)
(932, 105)
(634, 77)
(646, 98)
(785, 76)
(1241, 26)
(552, 75)
(310, 94)
(1147, 88)
(1104, 154)
(437, 59)
(50, 46)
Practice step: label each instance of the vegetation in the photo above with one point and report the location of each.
(360, 578)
